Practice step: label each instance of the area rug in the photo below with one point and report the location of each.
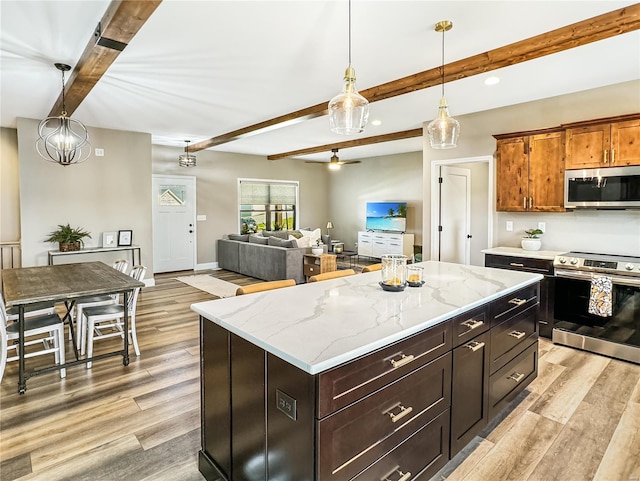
(210, 284)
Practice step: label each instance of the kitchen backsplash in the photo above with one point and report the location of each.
(606, 232)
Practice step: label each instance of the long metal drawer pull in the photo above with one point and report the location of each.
(403, 412)
(613, 156)
(524, 204)
(402, 361)
(474, 345)
(516, 376)
(605, 152)
(517, 302)
(403, 476)
(517, 334)
(516, 264)
(472, 324)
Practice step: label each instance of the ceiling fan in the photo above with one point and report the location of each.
(334, 163)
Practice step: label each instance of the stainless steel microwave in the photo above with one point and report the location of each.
(606, 188)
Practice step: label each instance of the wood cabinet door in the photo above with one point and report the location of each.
(625, 143)
(588, 147)
(512, 173)
(546, 172)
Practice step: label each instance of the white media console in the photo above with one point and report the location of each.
(376, 244)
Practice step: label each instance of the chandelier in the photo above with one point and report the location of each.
(187, 159)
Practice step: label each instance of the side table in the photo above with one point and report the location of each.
(350, 255)
(313, 264)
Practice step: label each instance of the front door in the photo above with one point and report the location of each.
(455, 220)
(174, 223)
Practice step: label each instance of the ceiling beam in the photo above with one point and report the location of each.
(119, 24)
(405, 134)
(587, 31)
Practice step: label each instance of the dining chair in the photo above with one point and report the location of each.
(372, 267)
(265, 286)
(332, 275)
(43, 329)
(120, 265)
(103, 322)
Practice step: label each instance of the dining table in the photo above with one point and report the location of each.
(64, 283)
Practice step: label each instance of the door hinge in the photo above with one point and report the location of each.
(439, 180)
(439, 228)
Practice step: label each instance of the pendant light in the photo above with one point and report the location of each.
(187, 159)
(61, 139)
(348, 111)
(443, 130)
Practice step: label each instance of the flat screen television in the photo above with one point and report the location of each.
(387, 216)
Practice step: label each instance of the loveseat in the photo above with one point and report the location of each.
(267, 260)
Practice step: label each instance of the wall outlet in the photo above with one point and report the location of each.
(542, 226)
(509, 226)
(201, 217)
(99, 152)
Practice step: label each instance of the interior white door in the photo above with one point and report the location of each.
(455, 219)
(174, 225)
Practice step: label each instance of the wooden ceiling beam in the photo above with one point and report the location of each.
(120, 23)
(405, 134)
(601, 27)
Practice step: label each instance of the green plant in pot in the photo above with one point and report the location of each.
(68, 238)
(531, 241)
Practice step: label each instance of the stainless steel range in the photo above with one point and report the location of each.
(615, 333)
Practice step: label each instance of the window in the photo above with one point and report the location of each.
(267, 205)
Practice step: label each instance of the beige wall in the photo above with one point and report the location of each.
(102, 194)
(386, 178)
(217, 175)
(9, 187)
(597, 231)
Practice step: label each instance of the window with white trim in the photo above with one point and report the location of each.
(267, 205)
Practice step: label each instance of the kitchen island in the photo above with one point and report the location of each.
(340, 380)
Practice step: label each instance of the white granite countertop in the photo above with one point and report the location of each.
(319, 325)
(519, 252)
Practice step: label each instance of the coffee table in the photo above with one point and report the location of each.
(350, 255)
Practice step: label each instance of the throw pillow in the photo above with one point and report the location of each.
(295, 233)
(304, 241)
(281, 234)
(277, 242)
(258, 239)
(313, 234)
(239, 237)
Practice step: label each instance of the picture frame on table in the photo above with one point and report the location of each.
(125, 237)
(109, 239)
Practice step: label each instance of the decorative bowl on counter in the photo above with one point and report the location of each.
(392, 287)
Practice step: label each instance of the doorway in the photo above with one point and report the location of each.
(174, 213)
(463, 206)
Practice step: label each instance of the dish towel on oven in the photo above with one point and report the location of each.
(600, 301)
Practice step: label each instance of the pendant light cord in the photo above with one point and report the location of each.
(442, 70)
(64, 108)
(349, 33)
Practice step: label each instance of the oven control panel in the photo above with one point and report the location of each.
(601, 265)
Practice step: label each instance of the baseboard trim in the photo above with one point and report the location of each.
(208, 265)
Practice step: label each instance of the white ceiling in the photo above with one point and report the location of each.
(198, 69)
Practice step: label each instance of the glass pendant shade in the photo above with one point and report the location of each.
(444, 129)
(63, 140)
(348, 111)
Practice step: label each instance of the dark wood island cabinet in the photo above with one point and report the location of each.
(397, 411)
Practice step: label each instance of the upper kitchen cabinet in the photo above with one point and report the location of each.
(603, 144)
(530, 172)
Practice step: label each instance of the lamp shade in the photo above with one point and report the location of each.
(444, 129)
(329, 225)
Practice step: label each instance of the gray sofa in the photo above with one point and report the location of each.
(266, 262)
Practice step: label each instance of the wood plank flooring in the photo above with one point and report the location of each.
(578, 421)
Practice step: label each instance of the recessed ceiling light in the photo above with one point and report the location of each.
(376, 122)
(491, 80)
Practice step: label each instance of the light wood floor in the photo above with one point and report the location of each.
(578, 421)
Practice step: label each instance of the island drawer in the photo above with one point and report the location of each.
(468, 325)
(355, 437)
(508, 337)
(513, 304)
(526, 264)
(349, 382)
(511, 379)
(418, 457)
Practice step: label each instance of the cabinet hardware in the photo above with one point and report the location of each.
(403, 476)
(605, 153)
(517, 302)
(524, 204)
(516, 264)
(402, 361)
(613, 156)
(516, 376)
(472, 324)
(474, 345)
(517, 334)
(396, 417)
(530, 202)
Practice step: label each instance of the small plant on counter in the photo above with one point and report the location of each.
(533, 233)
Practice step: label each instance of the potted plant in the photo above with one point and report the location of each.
(531, 242)
(318, 249)
(68, 238)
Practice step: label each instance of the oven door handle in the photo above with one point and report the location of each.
(587, 276)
